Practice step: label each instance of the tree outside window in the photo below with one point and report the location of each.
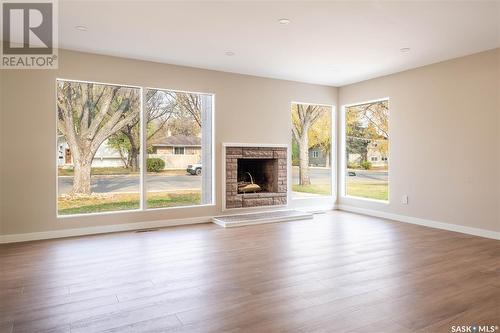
(367, 149)
(311, 150)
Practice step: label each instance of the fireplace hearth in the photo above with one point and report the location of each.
(255, 176)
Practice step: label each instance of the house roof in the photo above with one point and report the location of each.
(177, 141)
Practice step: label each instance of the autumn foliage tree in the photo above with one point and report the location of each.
(87, 115)
(303, 117)
(367, 126)
(320, 136)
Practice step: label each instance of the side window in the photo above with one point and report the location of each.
(94, 124)
(366, 144)
(311, 150)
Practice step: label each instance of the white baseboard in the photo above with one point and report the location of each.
(427, 223)
(14, 238)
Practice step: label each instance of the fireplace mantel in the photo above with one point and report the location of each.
(269, 165)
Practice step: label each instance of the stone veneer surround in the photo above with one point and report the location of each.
(242, 200)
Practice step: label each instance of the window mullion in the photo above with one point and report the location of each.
(143, 150)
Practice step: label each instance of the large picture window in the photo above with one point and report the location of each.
(367, 150)
(179, 135)
(311, 150)
(101, 166)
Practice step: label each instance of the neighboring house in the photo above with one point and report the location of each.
(178, 151)
(318, 158)
(105, 156)
(374, 156)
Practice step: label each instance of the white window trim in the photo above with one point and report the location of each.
(142, 157)
(212, 151)
(343, 162)
(333, 156)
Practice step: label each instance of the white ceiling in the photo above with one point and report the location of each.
(333, 43)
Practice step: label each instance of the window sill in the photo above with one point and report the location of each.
(350, 197)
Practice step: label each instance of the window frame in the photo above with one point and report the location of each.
(142, 156)
(212, 151)
(343, 161)
(333, 155)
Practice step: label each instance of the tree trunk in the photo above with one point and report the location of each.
(134, 159)
(327, 159)
(81, 178)
(304, 160)
(364, 157)
(124, 158)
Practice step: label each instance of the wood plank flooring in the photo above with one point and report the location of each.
(339, 272)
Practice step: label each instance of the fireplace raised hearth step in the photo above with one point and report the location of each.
(239, 220)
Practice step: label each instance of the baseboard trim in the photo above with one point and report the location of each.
(423, 222)
(15, 238)
(32, 236)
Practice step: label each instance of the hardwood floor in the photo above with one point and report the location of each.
(340, 272)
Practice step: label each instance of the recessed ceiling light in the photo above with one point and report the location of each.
(81, 28)
(405, 49)
(230, 53)
(284, 21)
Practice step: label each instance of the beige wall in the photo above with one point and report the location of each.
(28, 129)
(1, 152)
(444, 140)
(498, 122)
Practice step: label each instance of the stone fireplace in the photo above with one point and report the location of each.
(255, 176)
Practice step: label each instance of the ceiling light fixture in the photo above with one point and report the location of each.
(284, 21)
(81, 28)
(404, 49)
(230, 53)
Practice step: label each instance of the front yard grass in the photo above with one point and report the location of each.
(124, 201)
(370, 190)
(99, 171)
(162, 199)
(321, 189)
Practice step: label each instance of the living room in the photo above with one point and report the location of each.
(250, 166)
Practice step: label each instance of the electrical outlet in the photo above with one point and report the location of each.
(404, 200)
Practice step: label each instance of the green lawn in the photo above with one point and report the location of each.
(322, 189)
(162, 200)
(124, 201)
(99, 171)
(370, 190)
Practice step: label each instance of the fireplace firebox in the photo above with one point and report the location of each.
(262, 172)
(255, 176)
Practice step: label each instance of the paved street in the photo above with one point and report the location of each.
(369, 175)
(317, 175)
(130, 183)
(322, 175)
